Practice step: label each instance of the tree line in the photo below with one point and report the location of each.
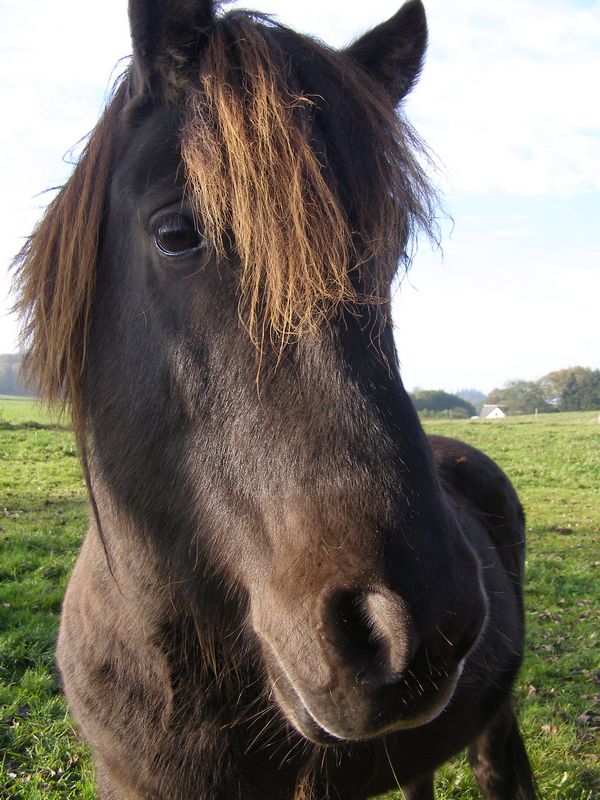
(571, 389)
(436, 403)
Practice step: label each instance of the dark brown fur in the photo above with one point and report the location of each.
(285, 590)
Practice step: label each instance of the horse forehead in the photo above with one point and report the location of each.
(149, 156)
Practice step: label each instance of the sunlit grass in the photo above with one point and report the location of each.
(554, 462)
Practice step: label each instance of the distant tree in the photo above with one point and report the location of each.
(573, 389)
(460, 412)
(494, 398)
(437, 400)
(473, 396)
(520, 397)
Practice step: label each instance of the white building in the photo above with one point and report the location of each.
(491, 412)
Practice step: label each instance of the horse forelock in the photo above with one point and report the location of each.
(318, 216)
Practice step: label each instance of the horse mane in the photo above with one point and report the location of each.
(295, 159)
(56, 271)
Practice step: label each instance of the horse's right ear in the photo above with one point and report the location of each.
(393, 52)
(167, 37)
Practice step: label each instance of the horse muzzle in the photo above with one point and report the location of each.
(364, 668)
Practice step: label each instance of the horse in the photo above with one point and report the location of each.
(286, 589)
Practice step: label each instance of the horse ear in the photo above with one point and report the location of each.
(167, 35)
(393, 52)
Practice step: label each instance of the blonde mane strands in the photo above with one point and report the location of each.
(251, 170)
(56, 273)
(248, 148)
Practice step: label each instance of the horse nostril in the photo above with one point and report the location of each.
(347, 626)
(369, 633)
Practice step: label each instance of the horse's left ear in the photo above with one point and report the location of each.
(167, 36)
(393, 52)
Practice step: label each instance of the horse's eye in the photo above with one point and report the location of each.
(175, 235)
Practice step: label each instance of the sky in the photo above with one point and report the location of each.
(508, 103)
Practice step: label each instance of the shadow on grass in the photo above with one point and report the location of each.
(34, 426)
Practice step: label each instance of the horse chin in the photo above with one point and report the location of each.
(307, 722)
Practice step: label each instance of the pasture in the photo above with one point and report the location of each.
(554, 462)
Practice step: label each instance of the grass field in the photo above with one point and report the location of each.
(553, 460)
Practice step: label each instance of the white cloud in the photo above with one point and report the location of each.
(510, 233)
(482, 320)
(508, 97)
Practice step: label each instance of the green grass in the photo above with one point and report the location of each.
(42, 513)
(21, 410)
(554, 461)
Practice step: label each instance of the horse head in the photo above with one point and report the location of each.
(211, 293)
